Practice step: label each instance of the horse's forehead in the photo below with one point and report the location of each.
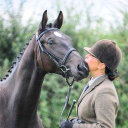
(58, 34)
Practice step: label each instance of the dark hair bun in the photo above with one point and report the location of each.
(111, 75)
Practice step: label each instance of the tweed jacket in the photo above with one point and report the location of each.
(98, 106)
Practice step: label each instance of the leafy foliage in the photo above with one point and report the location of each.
(14, 35)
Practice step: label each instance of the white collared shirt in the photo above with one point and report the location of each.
(92, 80)
(90, 83)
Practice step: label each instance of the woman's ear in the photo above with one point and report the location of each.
(101, 66)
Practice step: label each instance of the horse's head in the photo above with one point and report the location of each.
(55, 53)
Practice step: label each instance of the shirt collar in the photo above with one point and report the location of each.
(92, 80)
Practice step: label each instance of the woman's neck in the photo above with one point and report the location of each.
(97, 73)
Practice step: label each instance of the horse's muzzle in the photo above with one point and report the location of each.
(83, 71)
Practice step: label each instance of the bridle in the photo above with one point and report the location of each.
(54, 58)
(61, 65)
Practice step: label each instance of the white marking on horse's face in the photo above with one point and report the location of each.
(58, 34)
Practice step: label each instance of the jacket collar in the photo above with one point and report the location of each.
(94, 84)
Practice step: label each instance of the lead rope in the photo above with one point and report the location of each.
(66, 102)
(70, 86)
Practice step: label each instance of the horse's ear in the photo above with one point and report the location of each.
(44, 20)
(59, 21)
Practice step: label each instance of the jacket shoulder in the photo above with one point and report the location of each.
(106, 88)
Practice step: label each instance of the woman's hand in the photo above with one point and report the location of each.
(66, 124)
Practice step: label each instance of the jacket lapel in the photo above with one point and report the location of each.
(94, 84)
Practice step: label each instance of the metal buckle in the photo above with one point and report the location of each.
(64, 69)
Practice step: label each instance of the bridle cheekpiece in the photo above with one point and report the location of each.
(61, 65)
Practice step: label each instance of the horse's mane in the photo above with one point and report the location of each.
(14, 63)
(18, 58)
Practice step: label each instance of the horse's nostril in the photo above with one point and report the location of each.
(83, 69)
(79, 67)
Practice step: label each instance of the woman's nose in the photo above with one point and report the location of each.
(86, 56)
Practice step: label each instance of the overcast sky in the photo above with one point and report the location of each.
(35, 8)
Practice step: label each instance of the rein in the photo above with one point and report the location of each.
(61, 65)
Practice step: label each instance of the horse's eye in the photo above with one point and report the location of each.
(50, 42)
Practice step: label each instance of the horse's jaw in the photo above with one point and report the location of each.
(70, 75)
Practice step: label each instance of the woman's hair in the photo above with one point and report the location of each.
(111, 75)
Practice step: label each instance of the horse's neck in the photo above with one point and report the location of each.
(29, 76)
(26, 83)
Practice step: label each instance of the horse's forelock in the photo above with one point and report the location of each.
(49, 25)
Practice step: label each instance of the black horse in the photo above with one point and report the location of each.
(48, 52)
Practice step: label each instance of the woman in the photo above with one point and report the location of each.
(98, 104)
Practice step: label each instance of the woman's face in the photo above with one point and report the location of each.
(92, 61)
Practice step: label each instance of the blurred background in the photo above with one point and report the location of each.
(85, 21)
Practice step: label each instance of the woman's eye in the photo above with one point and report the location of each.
(50, 42)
